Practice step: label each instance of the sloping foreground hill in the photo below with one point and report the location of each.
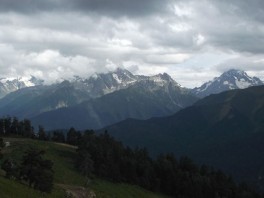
(225, 130)
(66, 177)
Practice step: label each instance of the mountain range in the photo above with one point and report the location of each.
(98, 101)
(107, 98)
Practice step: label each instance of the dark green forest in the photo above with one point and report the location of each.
(107, 158)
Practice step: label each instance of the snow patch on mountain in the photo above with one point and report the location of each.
(61, 104)
(115, 76)
(95, 76)
(242, 83)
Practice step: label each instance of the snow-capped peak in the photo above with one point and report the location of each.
(24, 81)
(99, 84)
(123, 76)
(231, 79)
(240, 79)
(233, 73)
(8, 85)
(163, 79)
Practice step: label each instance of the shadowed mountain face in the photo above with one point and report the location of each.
(147, 98)
(232, 79)
(29, 98)
(225, 130)
(31, 101)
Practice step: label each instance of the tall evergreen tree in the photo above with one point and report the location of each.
(58, 136)
(2, 145)
(26, 129)
(41, 133)
(73, 136)
(37, 171)
(15, 126)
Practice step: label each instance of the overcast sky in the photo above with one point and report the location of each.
(191, 40)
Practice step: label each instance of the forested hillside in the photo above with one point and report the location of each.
(224, 130)
(101, 156)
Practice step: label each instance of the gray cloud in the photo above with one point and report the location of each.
(60, 38)
(233, 25)
(28, 6)
(123, 7)
(105, 7)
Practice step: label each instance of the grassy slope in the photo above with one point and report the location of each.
(63, 157)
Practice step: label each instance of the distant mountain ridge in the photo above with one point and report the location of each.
(232, 79)
(100, 84)
(97, 85)
(106, 98)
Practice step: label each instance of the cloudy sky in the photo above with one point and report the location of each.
(191, 40)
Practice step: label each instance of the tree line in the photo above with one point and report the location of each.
(11, 126)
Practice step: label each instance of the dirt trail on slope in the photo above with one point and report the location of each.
(66, 145)
(77, 191)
